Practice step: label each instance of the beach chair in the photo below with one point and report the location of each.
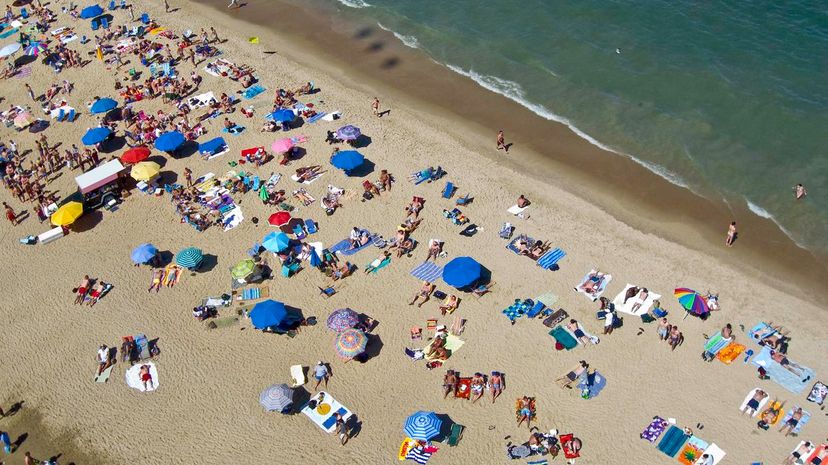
(153, 70)
(145, 19)
(104, 23)
(290, 270)
(465, 200)
(455, 435)
(24, 13)
(310, 226)
(328, 291)
(112, 5)
(299, 231)
(297, 372)
(123, 4)
(255, 249)
(167, 70)
(61, 114)
(448, 191)
(256, 183)
(95, 25)
(70, 117)
(142, 351)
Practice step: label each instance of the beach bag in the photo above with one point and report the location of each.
(601, 314)
(646, 318)
(367, 195)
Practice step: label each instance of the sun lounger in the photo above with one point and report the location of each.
(297, 372)
(652, 432)
(564, 337)
(780, 375)
(618, 301)
(323, 415)
(818, 393)
(672, 441)
(549, 260)
(599, 290)
(465, 200)
(750, 396)
(427, 271)
(714, 451)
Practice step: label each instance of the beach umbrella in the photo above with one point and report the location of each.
(268, 314)
(243, 269)
(103, 105)
(350, 343)
(67, 214)
(314, 259)
(169, 141)
(462, 272)
(276, 242)
(348, 132)
(91, 12)
(34, 49)
(278, 397)
(422, 425)
(263, 195)
(135, 155)
(347, 160)
(189, 258)
(692, 301)
(96, 136)
(342, 319)
(290, 226)
(143, 253)
(282, 145)
(279, 218)
(283, 116)
(10, 49)
(23, 119)
(145, 170)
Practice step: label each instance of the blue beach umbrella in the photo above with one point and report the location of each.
(347, 160)
(314, 259)
(422, 425)
(462, 272)
(143, 253)
(348, 132)
(278, 397)
(268, 314)
(103, 105)
(169, 141)
(189, 258)
(283, 116)
(276, 241)
(95, 136)
(91, 12)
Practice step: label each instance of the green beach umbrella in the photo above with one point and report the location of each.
(243, 269)
(263, 193)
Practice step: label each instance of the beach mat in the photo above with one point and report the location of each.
(323, 415)
(693, 448)
(818, 393)
(672, 441)
(654, 430)
(716, 343)
(593, 383)
(607, 278)
(780, 375)
(750, 396)
(806, 416)
(714, 451)
(618, 301)
(427, 271)
(224, 322)
(104, 376)
(564, 337)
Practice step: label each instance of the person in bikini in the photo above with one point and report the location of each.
(593, 283)
(753, 404)
(449, 383)
(81, 290)
(478, 385)
(495, 385)
(157, 276)
(434, 249)
(424, 293)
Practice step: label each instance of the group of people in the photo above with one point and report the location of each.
(477, 385)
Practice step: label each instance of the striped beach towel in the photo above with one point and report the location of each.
(550, 259)
(427, 271)
(418, 455)
(251, 293)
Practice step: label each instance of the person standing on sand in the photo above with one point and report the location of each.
(375, 107)
(215, 35)
(501, 141)
(341, 428)
(731, 234)
(800, 192)
(188, 176)
(233, 3)
(131, 12)
(321, 372)
(30, 92)
(10, 215)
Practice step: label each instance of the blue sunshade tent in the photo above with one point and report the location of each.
(91, 12)
(283, 116)
(95, 136)
(422, 425)
(190, 257)
(268, 314)
(169, 141)
(462, 272)
(103, 105)
(143, 253)
(212, 146)
(276, 242)
(347, 160)
(349, 132)
(278, 397)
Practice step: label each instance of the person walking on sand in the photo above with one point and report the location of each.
(30, 92)
(375, 106)
(321, 372)
(188, 176)
(501, 141)
(800, 192)
(731, 234)
(341, 428)
(131, 12)
(215, 35)
(10, 215)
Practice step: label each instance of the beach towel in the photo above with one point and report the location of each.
(555, 318)
(806, 415)
(790, 381)
(672, 441)
(512, 245)
(308, 181)
(714, 451)
(564, 439)
(463, 388)
(818, 393)
(750, 396)
(652, 432)
(760, 331)
(323, 413)
(814, 454)
(518, 309)
(548, 299)
(515, 210)
(133, 377)
(201, 100)
(564, 337)
(252, 91)
(343, 247)
(381, 264)
(692, 450)
(599, 290)
(714, 345)
(332, 116)
(224, 322)
(104, 376)
(419, 454)
(730, 353)
(592, 384)
(427, 271)
(549, 260)
(618, 301)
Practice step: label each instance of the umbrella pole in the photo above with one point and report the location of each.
(686, 312)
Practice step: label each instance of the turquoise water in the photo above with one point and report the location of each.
(729, 99)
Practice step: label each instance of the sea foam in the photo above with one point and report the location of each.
(355, 3)
(408, 41)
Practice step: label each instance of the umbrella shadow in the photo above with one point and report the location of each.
(354, 426)
(24, 60)
(301, 397)
(160, 159)
(165, 257)
(372, 348)
(87, 221)
(187, 149)
(367, 167)
(445, 427)
(361, 142)
(167, 177)
(208, 262)
(113, 144)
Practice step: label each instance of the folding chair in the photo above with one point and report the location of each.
(449, 190)
(145, 19)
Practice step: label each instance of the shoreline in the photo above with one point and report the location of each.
(370, 58)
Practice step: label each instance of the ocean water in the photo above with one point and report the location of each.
(728, 99)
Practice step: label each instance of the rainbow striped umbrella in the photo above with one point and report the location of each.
(350, 343)
(692, 301)
(34, 49)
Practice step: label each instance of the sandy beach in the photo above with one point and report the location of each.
(206, 408)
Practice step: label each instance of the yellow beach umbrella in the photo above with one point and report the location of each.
(67, 214)
(145, 171)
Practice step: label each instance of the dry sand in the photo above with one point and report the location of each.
(207, 410)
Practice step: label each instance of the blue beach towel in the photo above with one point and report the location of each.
(518, 309)
(316, 117)
(344, 246)
(805, 417)
(780, 375)
(592, 384)
(550, 259)
(253, 91)
(427, 271)
(672, 441)
(235, 130)
(382, 265)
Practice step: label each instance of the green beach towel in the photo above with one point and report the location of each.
(382, 265)
(713, 341)
(225, 322)
(564, 337)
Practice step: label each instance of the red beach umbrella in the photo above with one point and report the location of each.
(135, 155)
(279, 218)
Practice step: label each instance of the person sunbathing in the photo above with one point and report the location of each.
(572, 446)
(434, 249)
(790, 425)
(449, 305)
(377, 261)
(524, 411)
(370, 188)
(575, 327)
(769, 416)
(269, 126)
(104, 359)
(449, 383)
(341, 270)
(803, 450)
(640, 299)
(819, 458)
(593, 283)
(522, 202)
(80, 291)
(566, 380)
(631, 292)
(478, 386)
(146, 377)
(95, 293)
(157, 277)
(424, 293)
(307, 173)
(440, 353)
(413, 209)
(753, 404)
(787, 364)
(537, 250)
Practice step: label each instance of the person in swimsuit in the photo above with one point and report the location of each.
(449, 383)
(804, 449)
(631, 292)
(439, 342)
(727, 331)
(731, 234)
(787, 364)
(522, 201)
(525, 412)
(768, 417)
(377, 261)
(82, 288)
(567, 380)
(675, 339)
(146, 377)
(501, 141)
(796, 416)
(753, 404)
(96, 292)
(593, 283)
(449, 305)
(800, 192)
(157, 276)
(663, 329)
(478, 385)
(495, 385)
(104, 360)
(424, 293)
(819, 457)
(578, 332)
(640, 299)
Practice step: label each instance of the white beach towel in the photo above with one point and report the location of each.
(310, 181)
(750, 396)
(618, 301)
(320, 418)
(515, 210)
(332, 116)
(56, 112)
(237, 218)
(714, 451)
(133, 377)
(201, 100)
(297, 372)
(606, 279)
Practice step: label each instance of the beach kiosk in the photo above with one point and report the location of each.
(99, 187)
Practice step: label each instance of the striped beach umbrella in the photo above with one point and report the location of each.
(278, 397)
(34, 49)
(189, 258)
(348, 132)
(422, 425)
(342, 319)
(350, 343)
(692, 301)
